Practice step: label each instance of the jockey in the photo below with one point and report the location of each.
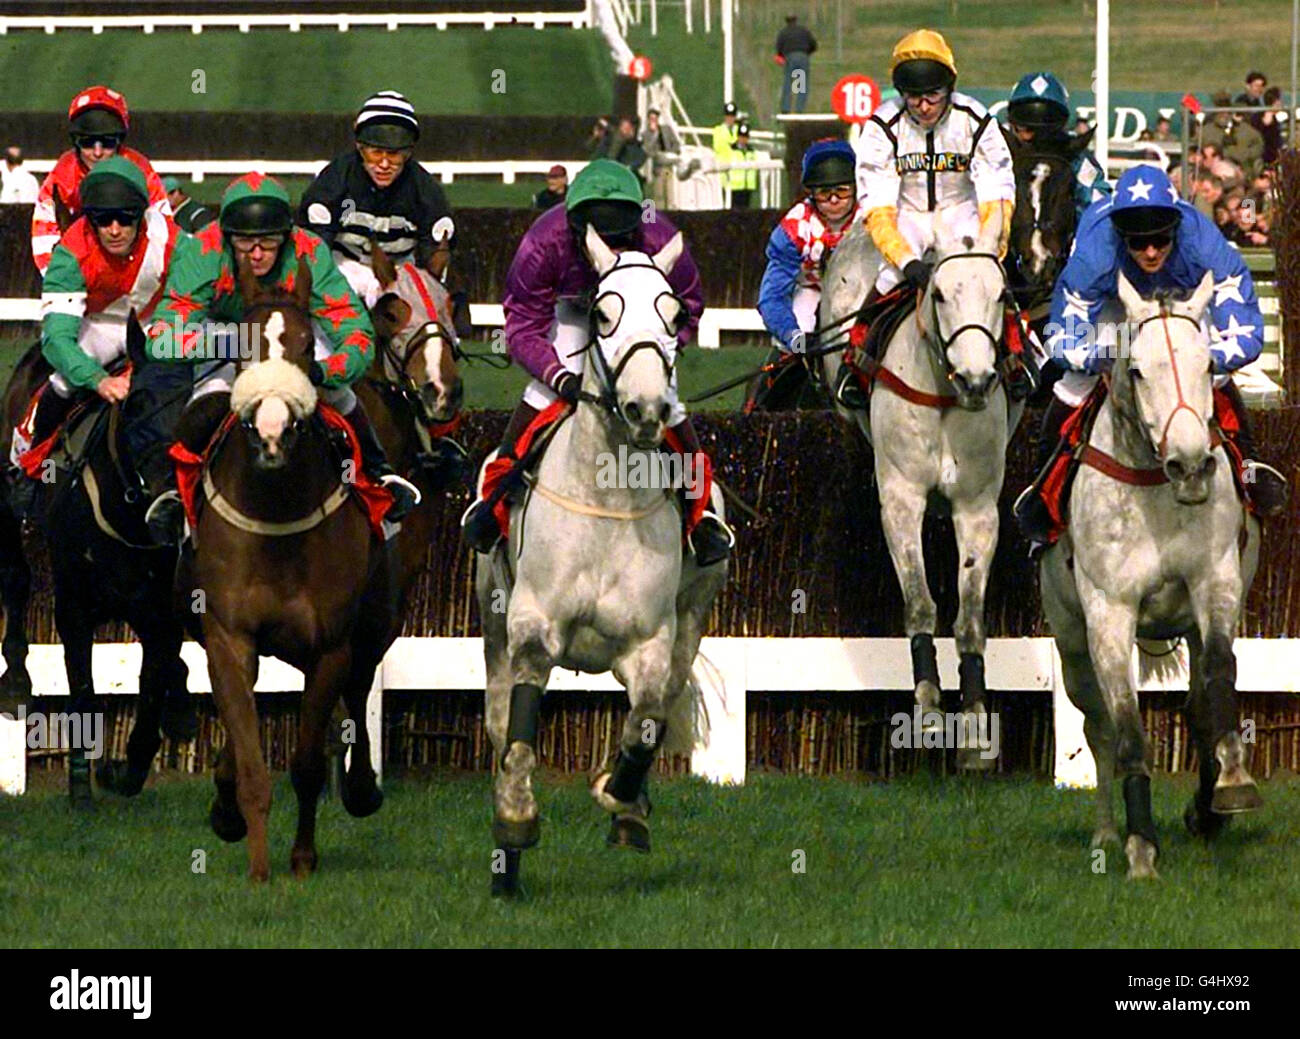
(801, 243)
(97, 123)
(1039, 108)
(929, 148)
(255, 221)
(111, 261)
(798, 250)
(1158, 241)
(375, 194)
(547, 323)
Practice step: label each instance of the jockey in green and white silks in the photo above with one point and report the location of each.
(111, 261)
(1038, 110)
(201, 292)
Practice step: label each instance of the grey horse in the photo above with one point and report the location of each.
(1171, 558)
(954, 446)
(593, 577)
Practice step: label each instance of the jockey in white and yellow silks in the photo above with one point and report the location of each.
(930, 148)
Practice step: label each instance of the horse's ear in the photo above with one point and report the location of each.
(1134, 304)
(135, 341)
(302, 285)
(1195, 306)
(389, 315)
(1082, 142)
(602, 257)
(382, 264)
(62, 214)
(666, 258)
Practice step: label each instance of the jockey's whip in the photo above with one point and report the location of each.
(760, 521)
(762, 369)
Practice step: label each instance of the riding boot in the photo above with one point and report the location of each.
(1018, 368)
(195, 428)
(1265, 486)
(1031, 512)
(848, 392)
(478, 524)
(375, 463)
(711, 540)
(51, 410)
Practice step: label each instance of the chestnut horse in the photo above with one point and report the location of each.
(284, 560)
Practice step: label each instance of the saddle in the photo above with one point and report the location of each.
(66, 447)
(1073, 450)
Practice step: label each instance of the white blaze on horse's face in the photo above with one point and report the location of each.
(435, 370)
(1037, 250)
(635, 318)
(1169, 373)
(273, 333)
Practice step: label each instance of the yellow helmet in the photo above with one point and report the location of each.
(922, 61)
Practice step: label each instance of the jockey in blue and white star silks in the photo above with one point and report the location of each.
(1038, 110)
(1159, 242)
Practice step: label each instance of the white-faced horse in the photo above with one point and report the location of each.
(938, 422)
(593, 567)
(1158, 546)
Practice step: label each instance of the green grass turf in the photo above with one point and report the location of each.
(1198, 45)
(918, 862)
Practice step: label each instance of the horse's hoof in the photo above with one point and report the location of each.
(118, 777)
(1141, 858)
(227, 823)
(1105, 835)
(629, 831)
(82, 798)
(516, 835)
(362, 799)
(1230, 800)
(180, 719)
(1207, 825)
(303, 862)
(928, 697)
(259, 874)
(16, 684)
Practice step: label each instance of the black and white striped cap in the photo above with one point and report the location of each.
(390, 111)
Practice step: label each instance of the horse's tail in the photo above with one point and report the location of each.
(1161, 659)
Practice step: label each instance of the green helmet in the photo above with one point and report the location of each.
(607, 195)
(114, 183)
(255, 204)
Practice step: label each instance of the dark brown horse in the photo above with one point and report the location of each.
(284, 559)
(104, 569)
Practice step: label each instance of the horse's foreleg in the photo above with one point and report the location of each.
(361, 794)
(533, 645)
(128, 777)
(324, 680)
(620, 788)
(1212, 703)
(76, 629)
(15, 589)
(976, 527)
(232, 666)
(1112, 629)
(902, 512)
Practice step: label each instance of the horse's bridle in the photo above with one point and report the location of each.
(1182, 405)
(608, 397)
(934, 336)
(402, 380)
(1044, 225)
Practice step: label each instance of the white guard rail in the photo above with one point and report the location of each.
(727, 669)
(196, 23)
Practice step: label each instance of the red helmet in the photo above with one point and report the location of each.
(103, 98)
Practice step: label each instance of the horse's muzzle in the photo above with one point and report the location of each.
(442, 405)
(973, 394)
(646, 422)
(1192, 481)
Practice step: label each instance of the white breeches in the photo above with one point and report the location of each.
(102, 337)
(918, 230)
(360, 277)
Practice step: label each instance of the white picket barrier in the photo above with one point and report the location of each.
(729, 669)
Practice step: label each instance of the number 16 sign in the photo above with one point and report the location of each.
(855, 98)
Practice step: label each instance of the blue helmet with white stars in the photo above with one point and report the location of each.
(1146, 202)
(1039, 102)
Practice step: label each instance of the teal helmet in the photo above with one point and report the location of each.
(1039, 101)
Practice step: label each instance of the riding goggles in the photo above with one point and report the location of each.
(107, 141)
(247, 243)
(106, 217)
(832, 194)
(933, 97)
(373, 153)
(1154, 239)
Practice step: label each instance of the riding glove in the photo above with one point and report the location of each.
(316, 373)
(567, 386)
(917, 272)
